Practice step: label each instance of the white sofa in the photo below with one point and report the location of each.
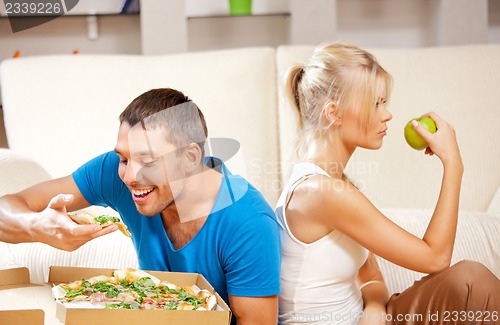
(60, 111)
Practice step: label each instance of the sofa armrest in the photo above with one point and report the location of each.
(18, 172)
(7, 259)
(494, 206)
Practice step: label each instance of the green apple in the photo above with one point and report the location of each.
(413, 138)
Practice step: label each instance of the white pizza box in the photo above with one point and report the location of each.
(98, 316)
(20, 301)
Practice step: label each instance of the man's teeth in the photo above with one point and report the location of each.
(142, 192)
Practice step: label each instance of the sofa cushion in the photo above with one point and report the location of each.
(63, 110)
(458, 83)
(113, 251)
(476, 239)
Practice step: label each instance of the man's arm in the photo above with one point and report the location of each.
(252, 263)
(38, 214)
(255, 310)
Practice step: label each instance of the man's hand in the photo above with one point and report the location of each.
(52, 226)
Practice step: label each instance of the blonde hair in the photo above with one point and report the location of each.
(338, 73)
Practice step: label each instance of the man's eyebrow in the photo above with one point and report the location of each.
(145, 153)
(151, 154)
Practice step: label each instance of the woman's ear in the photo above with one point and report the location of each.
(332, 114)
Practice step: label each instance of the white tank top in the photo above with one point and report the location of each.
(318, 280)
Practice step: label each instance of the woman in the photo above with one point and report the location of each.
(331, 232)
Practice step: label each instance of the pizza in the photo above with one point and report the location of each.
(135, 289)
(103, 220)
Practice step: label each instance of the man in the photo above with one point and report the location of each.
(186, 213)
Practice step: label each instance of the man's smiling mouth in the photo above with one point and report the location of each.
(140, 195)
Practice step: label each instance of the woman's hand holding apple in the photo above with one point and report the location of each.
(413, 138)
(442, 143)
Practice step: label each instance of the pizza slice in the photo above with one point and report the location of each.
(103, 220)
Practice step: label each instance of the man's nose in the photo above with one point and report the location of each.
(132, 174)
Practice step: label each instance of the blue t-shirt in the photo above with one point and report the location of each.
(237, 249)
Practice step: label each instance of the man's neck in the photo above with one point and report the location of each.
(187, 215)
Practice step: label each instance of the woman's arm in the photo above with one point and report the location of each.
(374, 291)
(445, 216)
(326, 203)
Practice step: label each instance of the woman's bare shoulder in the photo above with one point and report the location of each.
(320, 193)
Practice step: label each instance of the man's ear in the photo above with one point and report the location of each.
(192, 157)
(332, 114)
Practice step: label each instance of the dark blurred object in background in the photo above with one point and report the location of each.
(130, 6)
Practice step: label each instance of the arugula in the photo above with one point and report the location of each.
(102, 219)
(142, 287)
(106, 287)
(185, 296)
(144, 283)
(172, 305)
(122, 305)
(73, 293)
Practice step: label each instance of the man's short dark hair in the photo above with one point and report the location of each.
(180, 118)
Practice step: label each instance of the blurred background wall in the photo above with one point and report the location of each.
(173, 26)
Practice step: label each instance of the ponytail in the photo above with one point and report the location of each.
(294, 76)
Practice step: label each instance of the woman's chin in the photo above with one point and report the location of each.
(374, 146)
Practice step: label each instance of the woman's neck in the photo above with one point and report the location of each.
(331, 156)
